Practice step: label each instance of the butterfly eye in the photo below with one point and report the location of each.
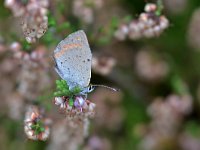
(90, 88)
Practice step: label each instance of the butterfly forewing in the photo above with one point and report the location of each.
(73, 60)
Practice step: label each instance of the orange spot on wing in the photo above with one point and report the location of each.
(65, 48)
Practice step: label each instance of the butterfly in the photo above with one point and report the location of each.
(73, 61)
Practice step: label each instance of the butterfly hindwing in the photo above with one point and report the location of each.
(73, 60)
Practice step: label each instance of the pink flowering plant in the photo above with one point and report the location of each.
(72, 101)
(64, 92)
(36, 126)
(149, 49)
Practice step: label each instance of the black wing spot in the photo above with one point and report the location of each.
(88, 59)
(61, 62)
(84, 61)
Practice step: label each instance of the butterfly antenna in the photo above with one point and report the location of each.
(113, 89)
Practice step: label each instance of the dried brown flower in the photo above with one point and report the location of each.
(33, 15)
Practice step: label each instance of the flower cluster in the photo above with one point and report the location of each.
(167, 116)
(33, 14)
(35, 127)
(83, 9)
(77, 109)
(149, 66)
(21, 53)
(78, 106)
(189, 140)
(71, 102)
(149, 24)
(30, 77)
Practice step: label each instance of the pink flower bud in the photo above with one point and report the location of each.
(150, 7)
(79, 101)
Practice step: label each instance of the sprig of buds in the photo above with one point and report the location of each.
(71, 101)
(63, 89)
(33, 15)
(150, 24)
(24, 51)
(35, 127)
(38, 127)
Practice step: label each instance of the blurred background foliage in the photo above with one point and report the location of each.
(138, 92)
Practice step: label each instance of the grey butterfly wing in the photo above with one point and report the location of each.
(73, 60)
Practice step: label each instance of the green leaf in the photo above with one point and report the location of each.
(76, 90)
(63, 26)
(42, 129)
(159, 8)
(178, 85)
(37, 132)
(66, 92)
(104, 40)
(62, 89)
(33, 127)
(114, 22)
(61, 7)
(26, 46)
(127, 18)
(71, 102)
(58, 82)
(51, 21)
